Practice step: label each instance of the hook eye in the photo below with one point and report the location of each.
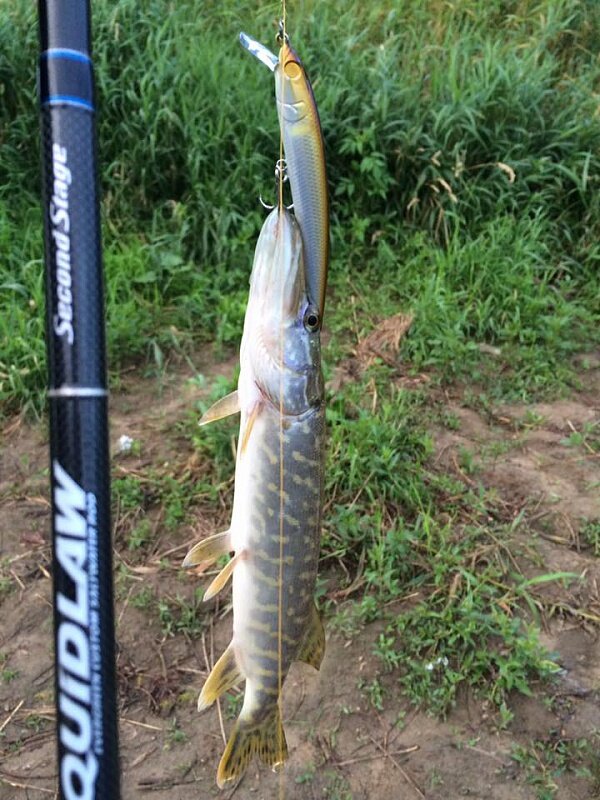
(281, 34)
(281, 173)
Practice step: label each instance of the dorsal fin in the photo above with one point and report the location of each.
(312, 647)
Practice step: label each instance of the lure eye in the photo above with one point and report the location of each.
(312, 322)
(292, 70)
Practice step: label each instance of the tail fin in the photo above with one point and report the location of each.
(265, 739)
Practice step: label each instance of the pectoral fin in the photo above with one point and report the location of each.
(222, 578)
(223, 676)
(224, 407)
(312, 648)
(208, 549)
(250, 420)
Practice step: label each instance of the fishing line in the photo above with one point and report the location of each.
(281, 211)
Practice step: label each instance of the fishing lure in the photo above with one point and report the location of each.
(305, 157)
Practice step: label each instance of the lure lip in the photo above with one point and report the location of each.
(264, 55)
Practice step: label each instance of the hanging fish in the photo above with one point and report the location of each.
(276, 522)
(305, 157)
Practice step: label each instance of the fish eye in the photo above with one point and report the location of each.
(312, 321)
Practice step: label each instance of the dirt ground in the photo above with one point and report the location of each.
(340, 746)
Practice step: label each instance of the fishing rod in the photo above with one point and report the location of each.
(85, 688)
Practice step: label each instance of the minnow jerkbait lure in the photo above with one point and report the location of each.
(305, 157)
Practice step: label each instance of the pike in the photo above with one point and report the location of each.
(276, 519)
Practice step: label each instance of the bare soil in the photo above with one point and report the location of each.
(340, 746)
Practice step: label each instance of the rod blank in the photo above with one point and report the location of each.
(77, 392)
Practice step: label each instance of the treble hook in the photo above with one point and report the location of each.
(281, 177)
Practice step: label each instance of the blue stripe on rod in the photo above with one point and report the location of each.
(67, 100)
(64, 52)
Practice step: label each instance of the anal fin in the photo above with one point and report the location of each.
(208, 549)
(219, 582)
(312, 647)
(223, 676)
(224, 407)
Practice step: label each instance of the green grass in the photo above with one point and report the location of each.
(463, 163)
(179, 615)
(413, 531)
(9, 675)
(166, 496)
(175, 735)
(588, 438)
(590, 535)
(545, 762)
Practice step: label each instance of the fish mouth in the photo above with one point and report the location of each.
(278, 276)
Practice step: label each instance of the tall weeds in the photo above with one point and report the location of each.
(457, 123)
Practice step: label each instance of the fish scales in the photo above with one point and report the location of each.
(275, 580)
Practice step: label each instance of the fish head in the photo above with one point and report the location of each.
(281, 344)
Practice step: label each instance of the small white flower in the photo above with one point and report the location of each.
(125, 444)
(441, 661)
